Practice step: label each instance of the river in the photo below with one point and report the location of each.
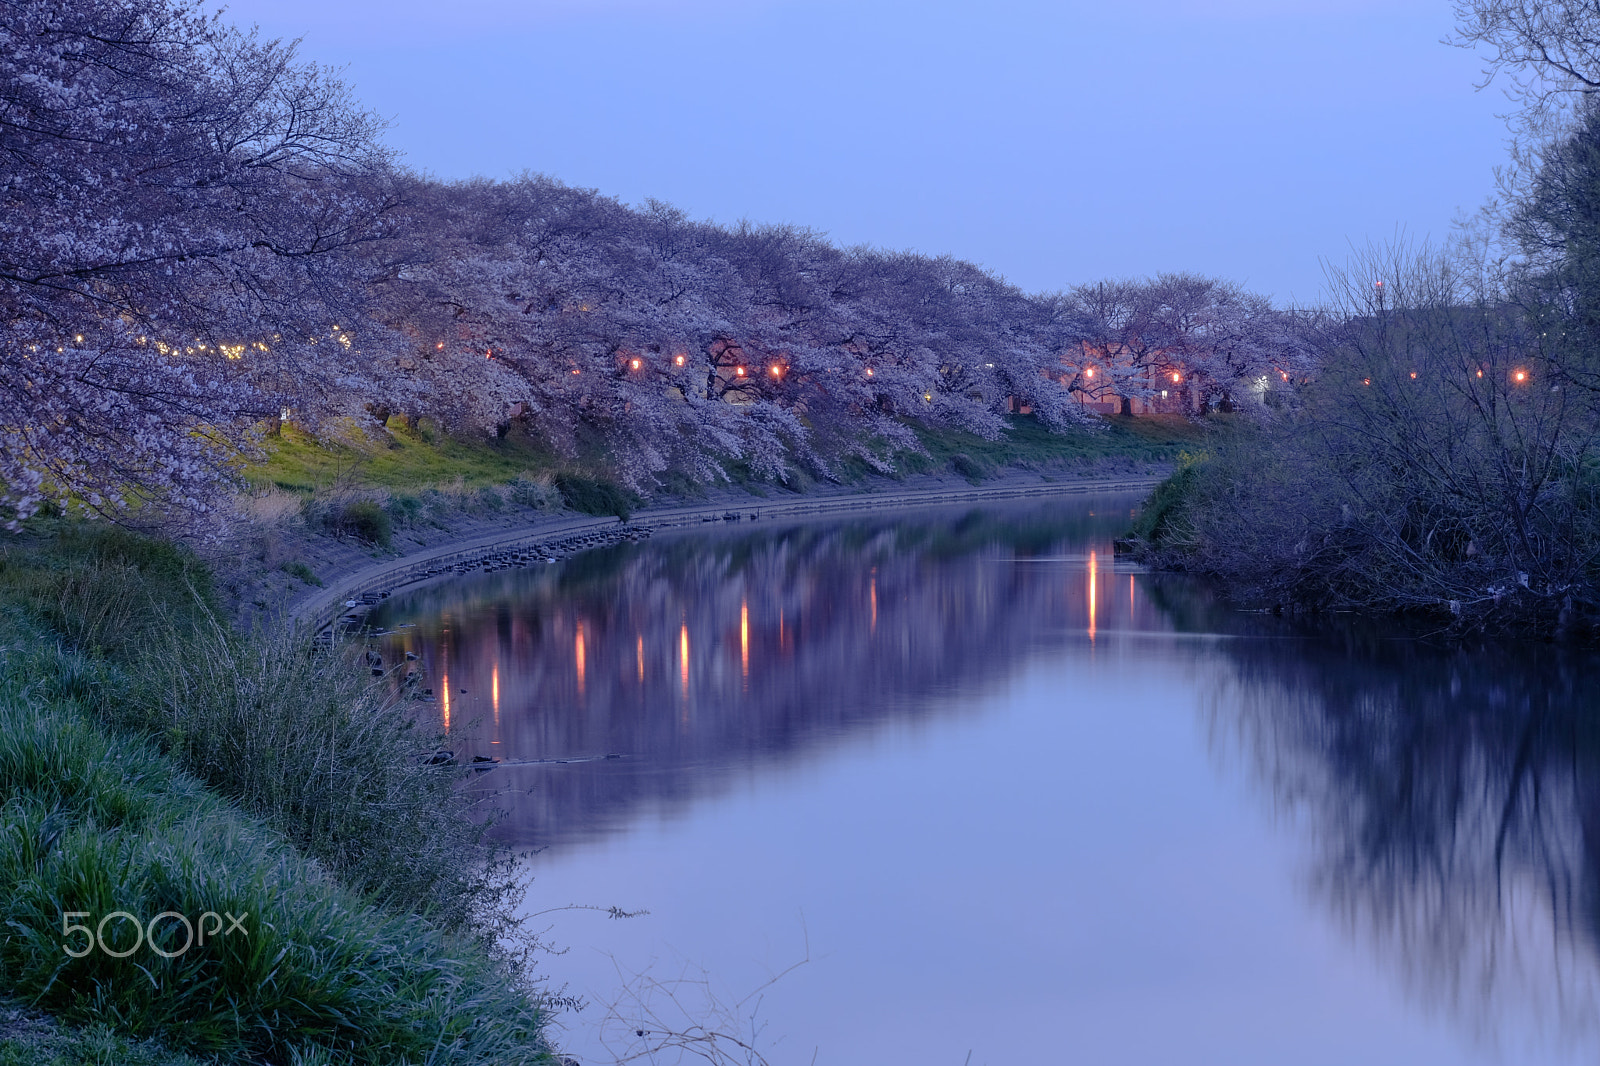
(961, 787)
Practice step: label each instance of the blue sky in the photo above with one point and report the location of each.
(1052, 143)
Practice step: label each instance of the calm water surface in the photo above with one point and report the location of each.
(1005, 797)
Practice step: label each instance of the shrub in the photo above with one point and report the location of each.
(593, 496)
(530, 492)
(1441, 462)
(366, 521)
(404, 509)
(303, 572)
(968, 467)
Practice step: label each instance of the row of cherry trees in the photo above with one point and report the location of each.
(200, 232)
(174, 193)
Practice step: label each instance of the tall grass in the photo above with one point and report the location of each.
(301, 737)
(153, 760)
(307, 740)
(105, 589)
(97, 826)
(594, 496)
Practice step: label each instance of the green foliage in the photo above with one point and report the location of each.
(307, 741)
(404, 509)
(366, 520)
(179, 766)
(1030, 444)
(594, 496)
(303, 572)
(1164, 522)
(399, 461)
(100, 823)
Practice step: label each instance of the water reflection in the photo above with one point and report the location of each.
(1453, 801)
(689, 659)
(1447, 802)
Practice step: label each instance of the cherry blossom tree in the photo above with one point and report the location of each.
(201, 232)
(1138, 337)
(182, 207)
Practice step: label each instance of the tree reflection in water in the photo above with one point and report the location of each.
(1452, 797)
(697, 657)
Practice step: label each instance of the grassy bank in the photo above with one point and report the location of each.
(155, 763)
(405, 461)
(395, 457)
(1117, 440)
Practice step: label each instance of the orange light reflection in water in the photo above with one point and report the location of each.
(683, 656)
(581, 657)
(1091, 596)
(874, 628)
(744, 638)
(446, 691)
(494, 692)
(639, 656)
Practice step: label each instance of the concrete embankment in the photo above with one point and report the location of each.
(347, 597)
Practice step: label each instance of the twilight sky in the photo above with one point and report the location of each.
(1050, 142)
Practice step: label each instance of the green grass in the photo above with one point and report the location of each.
(29, 1039)
(298, 569)
(1165, 520)
(1027, 442)
(408, 460)
(597, 497)
(99, 823)
(102, 588)
(151, 760)
(404, 462)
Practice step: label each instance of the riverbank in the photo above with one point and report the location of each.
(1289, 518)
(320, 510)
(354, 581)
(231, 837)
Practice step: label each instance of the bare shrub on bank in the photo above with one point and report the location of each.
(1442, 459)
